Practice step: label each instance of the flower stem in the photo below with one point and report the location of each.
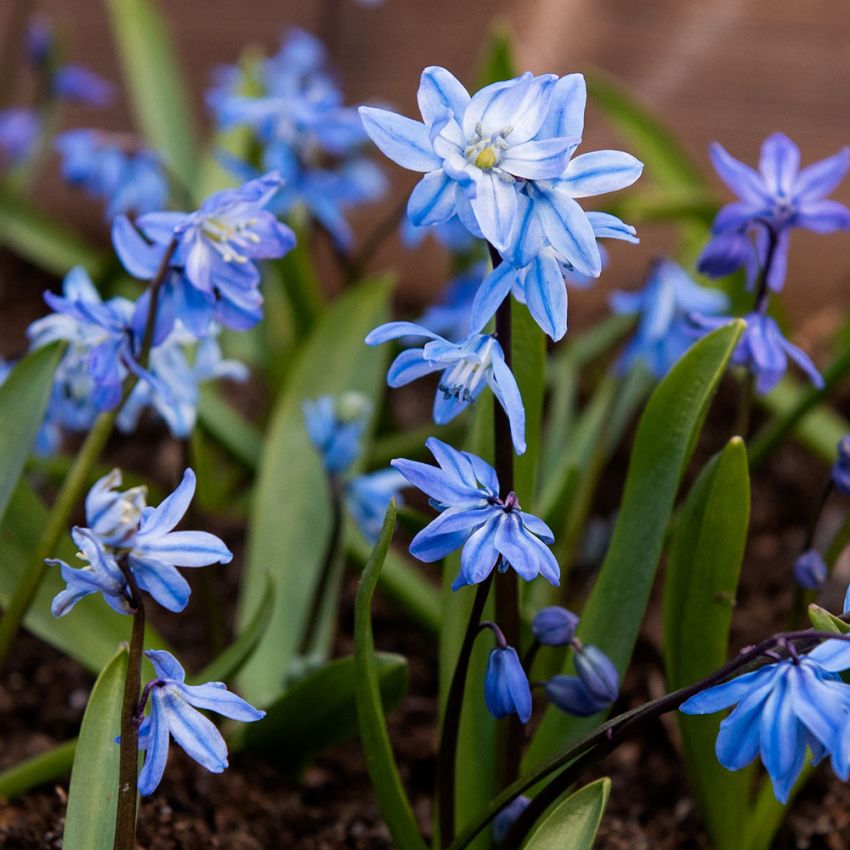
(76, 481)
(128, 765)
(509, 743)
(447, 754)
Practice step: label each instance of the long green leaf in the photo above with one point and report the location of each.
(92, 797)
(573, 824)
(706, 553)
(90, 633)
(235, 433)
(32, 772)
(23, 400)
(44, 242)
(663, 444)
(291, 514)
(153, 77)
(380, 762)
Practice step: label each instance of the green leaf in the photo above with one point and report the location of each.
(826, 621)
(90, 633)
(703, 568)
(157, 89)
(319, 711)
(235, 433)
(497, 62)
(291, 517)
(23, 400)
(665, 438)
(93, 794)
(36, 237)
(573, 824)
(371, 717)
(48, 766)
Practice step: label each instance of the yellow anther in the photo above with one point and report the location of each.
(486, 159)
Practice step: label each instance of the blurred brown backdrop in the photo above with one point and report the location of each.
(731, 70)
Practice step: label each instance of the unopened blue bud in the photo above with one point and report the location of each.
(554, 626)
(506, 688)
(841, 469)
(570, 694)
(810, 570)
(598, 674)
(506, 817)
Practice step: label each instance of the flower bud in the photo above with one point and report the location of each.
(554, 626)
(841, 469)
(810, 570)
(506, 689)
(506, 817)
(570, 694)
(598, 674)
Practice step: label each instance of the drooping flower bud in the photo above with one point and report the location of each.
(506, 688)
(841, 469)
(506, 817)
(570, 694)
(554, 626)
(810, 570)
(598, 674)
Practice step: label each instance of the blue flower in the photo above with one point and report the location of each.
(467, 367)
(500, 161)
(810, 570)
(449, 317)
(305, 132)
(367, 498)
(841, 468)
(174, 714)
(595, 687)
(75, 84)
(779, 196)
(473, 516)
(539, 281)
(506, 688)
(664, 306)
(335, 427)
(780, 710)
(130, 181)
(554, 626)
(451, 234)
(177, 369)
(764, 351)
(19, 132)
(215, 272)
(113, 516)
(507, 815)
(570, 694)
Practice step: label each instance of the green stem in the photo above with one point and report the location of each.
(128, 765)
(447, 754)
(75, 483)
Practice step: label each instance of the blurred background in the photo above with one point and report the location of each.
(730, 70)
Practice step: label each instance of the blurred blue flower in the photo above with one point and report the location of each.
(779, 196)
(19, 131)
(506, 817)
(367, 498)
(451, 234)
(174, 714)
(506, 688)
(129, 180)
(810, 570)
(841, 467)
(664, 307)
(216, 276)
(500, 161)
(570, 694)
(554, 626)
(764, 351)
(541, 281)
(449, 316)
(306, 133)
(75, 84)
(780, 710)
(336, 426)
(473, 516)
(467, 367)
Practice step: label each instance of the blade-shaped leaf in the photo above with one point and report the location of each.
(706, 553)
(573, 824)
(23, 400)
(665, 438)
(48, 766)
(371, 714)
(93, 794)
(153, 77)
(291, 517)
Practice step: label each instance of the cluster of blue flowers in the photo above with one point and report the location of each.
(295, 109)
(129, 547)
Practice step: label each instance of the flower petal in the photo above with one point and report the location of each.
(440, 90)
(599, 172)
(779, 164)
(432, 200)
(403, 140)
(170, 511)
(156, 751)
(546, 294)
(495, 207)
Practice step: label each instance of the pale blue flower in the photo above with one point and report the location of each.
(367, 498)
(113, 515)
(781, 710)
(336, 427)
(474, 517)
(779, 196)
(451, 234)
(19, 132)
(75, 84)
(506, 688)
(467, 366)
(841, 468)
(174, 714)
(664, 307)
